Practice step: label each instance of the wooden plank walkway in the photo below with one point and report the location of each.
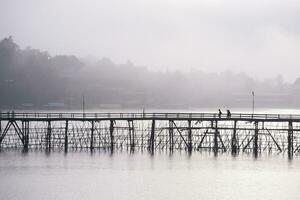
(149, 116)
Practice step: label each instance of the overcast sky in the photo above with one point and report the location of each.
(259, 37)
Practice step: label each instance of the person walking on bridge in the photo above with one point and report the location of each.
(220, 113)
(228, 114)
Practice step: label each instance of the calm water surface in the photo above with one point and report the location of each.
(82, 175)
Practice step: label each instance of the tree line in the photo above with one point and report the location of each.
(31, 78)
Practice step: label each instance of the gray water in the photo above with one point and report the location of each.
(139, 176)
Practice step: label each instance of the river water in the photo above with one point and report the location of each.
(139, 176)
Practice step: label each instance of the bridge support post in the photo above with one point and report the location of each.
(215, 148)
(66, 136)
(131, 134)
(48, 136)
(25, 126)
(92, 137)
(111, 132)
(255, 140)
(234, 144)
(290, 140)
(171, 135)
(151, 142)
(190, 144)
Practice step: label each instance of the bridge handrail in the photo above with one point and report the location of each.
(167, 115)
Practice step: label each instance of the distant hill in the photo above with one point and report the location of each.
(30, 78)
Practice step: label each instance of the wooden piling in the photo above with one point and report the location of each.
(48, 136)
(111, 132)
(26, 135)
(131, 134)
(171, 135)
(66, 136)
(190, 144)
(92, 137)
(255, 139)
(290, 139)
(234, 140)
(151, 142)
(216, 132)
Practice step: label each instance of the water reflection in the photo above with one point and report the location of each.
(144, 175)
(111, 152)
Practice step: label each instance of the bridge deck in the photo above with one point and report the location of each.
(148, 116)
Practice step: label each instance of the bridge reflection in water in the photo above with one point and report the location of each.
(166, 131)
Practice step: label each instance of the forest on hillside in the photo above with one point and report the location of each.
(31, 78)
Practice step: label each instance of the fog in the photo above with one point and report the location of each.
(259, 38)
(34, 79)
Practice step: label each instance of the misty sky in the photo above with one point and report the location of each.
(259, 37)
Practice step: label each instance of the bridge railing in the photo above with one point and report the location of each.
(9, 115)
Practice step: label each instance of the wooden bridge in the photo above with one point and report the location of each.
(166, 131)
